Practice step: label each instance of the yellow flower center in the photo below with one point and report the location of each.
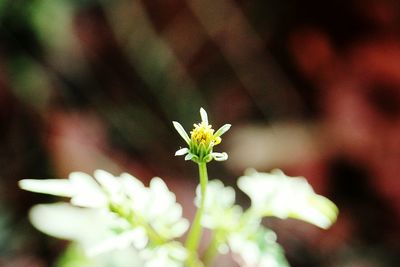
(204, 134)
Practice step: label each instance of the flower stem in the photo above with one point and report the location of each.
(136, 220)
(211, 251)
(192, 241)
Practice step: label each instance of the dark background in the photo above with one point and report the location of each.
(312, 87)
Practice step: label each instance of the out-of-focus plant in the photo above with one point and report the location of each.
(138, 225)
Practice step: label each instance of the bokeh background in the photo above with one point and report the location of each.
(311, 87)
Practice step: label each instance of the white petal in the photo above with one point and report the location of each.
(189, 156)
(137, 237)
(132, 186)
(65, 221)
(275, 194)
(107, 181)
(158, 185)
(131, 180)
(80, 179)
(162, 198)
(174, 213)
(203, 115)
(179, 128)
(219, 156)
(57, 187)
(222, 130)
(182, 151)
(179, 228)
(87, 192)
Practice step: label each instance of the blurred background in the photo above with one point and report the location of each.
(311, 87)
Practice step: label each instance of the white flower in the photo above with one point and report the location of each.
(257, 248)
(158, 207)
(91, 228)
(275, 194)
(136, 237)
(80, 187)
(243, 234)
(201, 141)
(219, 212)
(171, 254)
(123, 198)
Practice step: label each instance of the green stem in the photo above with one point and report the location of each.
(136, 220)
(211, 251)
(192, 241)
(151, 233)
